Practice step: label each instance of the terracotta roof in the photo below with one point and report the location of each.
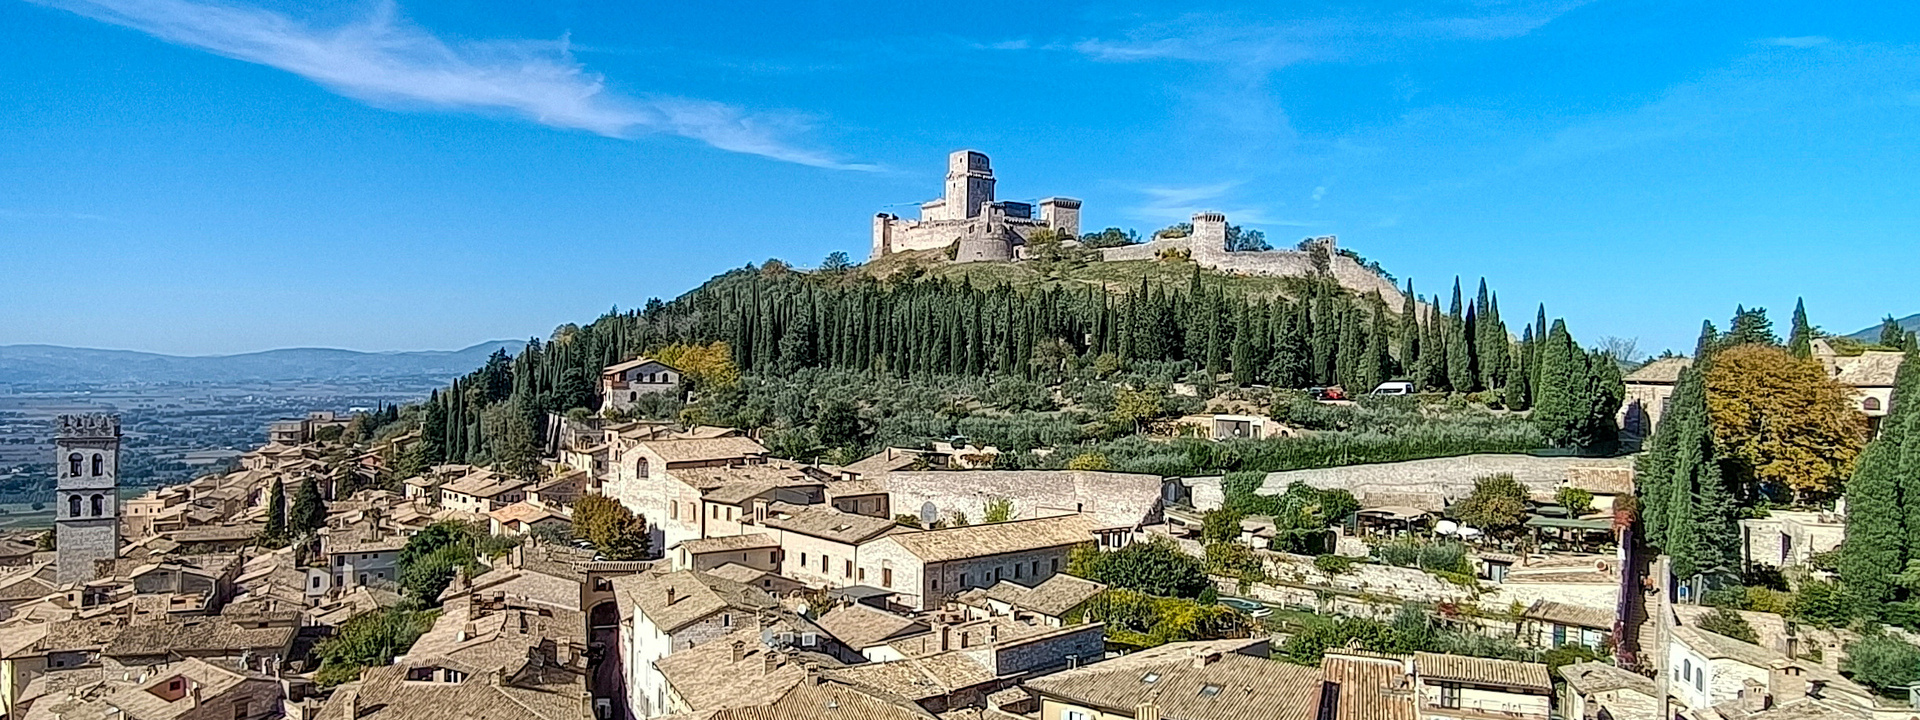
(197, 635)
(385, 694)
(1193, 681)
(695, 596)
(634, 363)
(708, 676)
(1575, 615)
(705, 449)
(485, 484)
(1054, 597)
(1594, 677)
(524, 512)
(1111, 499)
(1664, 371)
(820, 699)
(827, 523)
(861, 627)
(1485, 671)
(923, 677)
(995, 539)
(1366, 688)
(729, 543)
(1874, 368)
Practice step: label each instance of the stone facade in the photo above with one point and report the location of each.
(968, 217)
(622, 385)
(86, 493)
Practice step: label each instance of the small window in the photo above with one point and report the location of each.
(73, 466)
(73, 506)
(726, 620)
(1871, 404)
(1450, 695)
(99, 505)
(1150, 678)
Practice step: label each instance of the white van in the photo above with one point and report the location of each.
(1394, 387)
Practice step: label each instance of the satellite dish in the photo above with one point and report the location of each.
(1446, 527)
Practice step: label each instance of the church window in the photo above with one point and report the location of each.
(73, 506)
(73, 464)
(99, 464)
(643, 468)
(99, 505)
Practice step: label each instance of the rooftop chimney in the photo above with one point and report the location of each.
(350, 699)
(1201, 660)
(1146, 711)
(672, 596)
(772, 662)
(739, 650)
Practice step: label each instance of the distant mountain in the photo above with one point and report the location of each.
(1872, 333)
(56, 365)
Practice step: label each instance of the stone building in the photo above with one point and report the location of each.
(1649, 390)
(968, 217)
(922, 569)
(1206, 246)
(86, 493)
(1869, 375)
(622, 385)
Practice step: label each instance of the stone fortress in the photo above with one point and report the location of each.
(967, 215)
(980, 228)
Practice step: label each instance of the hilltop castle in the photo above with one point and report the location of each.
(967, 215)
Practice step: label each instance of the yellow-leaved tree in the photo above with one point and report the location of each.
(1781, 421)
(709, 366)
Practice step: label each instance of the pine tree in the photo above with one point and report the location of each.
(1800, 343)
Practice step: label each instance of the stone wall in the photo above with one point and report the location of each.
(1209, 251)
(1114, 499)
(1086, 643)
(1428, 483)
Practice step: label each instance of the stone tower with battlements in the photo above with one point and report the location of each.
(86, 493)
(970, 220)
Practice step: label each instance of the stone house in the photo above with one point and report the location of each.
(357, 555)
(1592, 688)
(1049, 602)
(1550, 624)
(662, 613)
(956, 666)
(1118, 504)
(923, 569)
(563, 489)
(622, 385)
(482, 491)
(1215, 680)
(1789, 538)
(1649, 390)
(758, 551)
(870, 631)
(647, 479)
(523, 517)
(1456, 686)
(823, 547)
(189, 689)
(1870, 374)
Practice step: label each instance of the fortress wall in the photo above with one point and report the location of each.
(1144, 251)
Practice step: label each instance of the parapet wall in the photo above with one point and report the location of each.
(1273, 263)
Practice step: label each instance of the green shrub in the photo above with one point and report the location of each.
(1333, 564)
(1729, 622)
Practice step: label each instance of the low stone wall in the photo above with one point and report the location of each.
(1429, 483)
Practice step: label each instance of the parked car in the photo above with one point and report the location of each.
(1327, 393)
(1394, 387)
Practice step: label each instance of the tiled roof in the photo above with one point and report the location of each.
(827, 523)
(1664, 371)
(926, 676)
(197, 635)
(1509, 673)
(705, 449)
(861, 627)
(822, 700)
(1874, 368)
(995, 539)
(694, 597)
(634, 363)
(485, 484)
(729, 543)
(1114, 500)
(1715, 646)
(1595, 677)
(708, 676)
(1366, 688)
(1054, 597)
(524, 512)
(1575, 615)
(385, 694)
(1222, 684)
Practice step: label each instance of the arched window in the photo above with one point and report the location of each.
(73, 465)
(99, 505)
(644, 470)
(632, 396)
(73, 506)
(1871, 404)
(99, 464)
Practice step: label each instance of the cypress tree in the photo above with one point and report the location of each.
(1459, 358)
(308, 513)
(1409, 332)
(1883, 497)
(276, 512)
(1289, 366)
(1243, 348)
(1560, 407)
(1800, 342)
(1891, 334)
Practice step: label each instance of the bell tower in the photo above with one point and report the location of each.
(86, 493)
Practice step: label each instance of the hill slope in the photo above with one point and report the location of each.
(1910, 323)
(57, 365)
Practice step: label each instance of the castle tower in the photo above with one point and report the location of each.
(969, 184)
(1210, 231)
(1063, 215)
(86, 493)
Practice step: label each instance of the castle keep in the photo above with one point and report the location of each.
(86, 494)
(969, 217)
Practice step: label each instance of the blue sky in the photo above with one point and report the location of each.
(193, 176)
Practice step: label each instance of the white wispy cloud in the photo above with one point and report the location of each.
(384, 60)
(1265, 45)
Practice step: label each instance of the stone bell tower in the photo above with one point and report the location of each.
(86, 493)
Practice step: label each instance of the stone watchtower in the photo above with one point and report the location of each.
(86, 493)
(969, 184)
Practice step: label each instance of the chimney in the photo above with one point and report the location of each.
(193, 691)
(1201, 660)
(1754, 697)
(771, 663)
(673, 596)
(1147, 710)
(350, 699)
(739, 650)
(1789, 683)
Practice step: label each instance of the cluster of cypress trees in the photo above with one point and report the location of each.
(1883, 502)
(1687, 509)
(775, 320)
